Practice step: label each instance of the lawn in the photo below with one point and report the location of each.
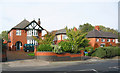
(31, 54)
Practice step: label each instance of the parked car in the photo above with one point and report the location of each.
(28, 48)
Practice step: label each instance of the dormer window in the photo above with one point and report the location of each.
(18, 32)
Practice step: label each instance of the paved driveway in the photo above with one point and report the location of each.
(18, 55)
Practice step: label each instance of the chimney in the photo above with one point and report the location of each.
(97, 28)
(39, 21)
(75, 29)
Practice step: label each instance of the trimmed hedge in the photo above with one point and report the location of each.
(44, 47)
(106, 52)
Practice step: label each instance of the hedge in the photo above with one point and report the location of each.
(106, 52)
(44, 47)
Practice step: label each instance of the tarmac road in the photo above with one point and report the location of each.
(98, 66)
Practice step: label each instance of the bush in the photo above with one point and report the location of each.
(57, 49)
(100, 52)
(44, 47)
(106, 52)
(65, 46)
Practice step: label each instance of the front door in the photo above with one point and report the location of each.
(18, 44)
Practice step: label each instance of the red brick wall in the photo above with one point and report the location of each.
(22, 38)
(93, 41)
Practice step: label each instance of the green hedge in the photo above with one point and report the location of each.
(106, 52)
(65, 46)
(44, 47)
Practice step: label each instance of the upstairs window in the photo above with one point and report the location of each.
(108, 40)
(29, 33)
(113, 40)
(32, 33)
(97, 40)
(18, 32)
(102, 40)
(10, 33)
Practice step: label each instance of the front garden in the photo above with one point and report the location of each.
(75, 44)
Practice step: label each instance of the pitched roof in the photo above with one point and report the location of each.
(22, 24)
(61, 31)
(100, 34)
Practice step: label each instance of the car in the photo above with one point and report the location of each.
(28, 48)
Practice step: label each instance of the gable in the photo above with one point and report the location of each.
(34, 25)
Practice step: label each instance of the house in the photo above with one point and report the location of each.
(23, 33)
(60, 35)
(97, 37)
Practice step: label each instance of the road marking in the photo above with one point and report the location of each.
(116, 67)
(88, 70)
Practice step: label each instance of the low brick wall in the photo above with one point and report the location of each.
(50, 56)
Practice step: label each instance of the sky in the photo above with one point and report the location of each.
(57, 14)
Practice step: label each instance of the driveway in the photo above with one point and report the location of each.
(18, 55)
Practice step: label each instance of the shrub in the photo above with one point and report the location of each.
(44, 47)
(57, 49)
(106, 52)
(65, 46)
(100, 52)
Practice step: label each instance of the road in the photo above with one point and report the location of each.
(94, 66)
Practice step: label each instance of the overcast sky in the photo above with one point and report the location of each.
(57, 14)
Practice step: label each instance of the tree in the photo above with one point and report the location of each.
(107, 29)
(4, 35)
(86, 27)
(77, 39)
(48, 38)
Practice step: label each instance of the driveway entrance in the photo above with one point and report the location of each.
(18, 55)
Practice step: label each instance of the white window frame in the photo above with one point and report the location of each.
(18, 32)
(64, 37)
(28, 41)
(102, 40)
(97, 40)
(10, 33)
(102, 44)
(29, 33)
(113, 40)
(108, 40)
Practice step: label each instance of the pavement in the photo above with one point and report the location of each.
(36, 62)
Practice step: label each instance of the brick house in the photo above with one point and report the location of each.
(97, 37)
(23, 33)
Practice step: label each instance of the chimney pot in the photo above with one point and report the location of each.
(97, 28)
(39, 21)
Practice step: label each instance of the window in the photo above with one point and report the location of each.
(113, 40)
(58, 37)
(10, 33)
(64, 37)
(102, 40)
(97, 40)
(102, 45)
(18, 32)
(108, 40)
(32, 32)
(32, 42)
(29, 33)
(28, 41)
(35, 33)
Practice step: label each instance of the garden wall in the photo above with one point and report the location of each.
(51, 56)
